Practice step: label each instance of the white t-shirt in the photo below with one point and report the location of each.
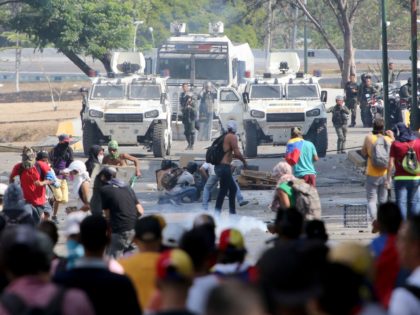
(404, 302)
(199, 292)
(209, 168)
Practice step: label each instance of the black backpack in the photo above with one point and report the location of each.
(170, 179)
(215, 152)
(14, 304)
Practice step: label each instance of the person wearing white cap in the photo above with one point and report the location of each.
(224, 170)
(340, 116)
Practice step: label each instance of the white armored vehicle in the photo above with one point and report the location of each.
(131, 108)
(200, 58)
(280, 100)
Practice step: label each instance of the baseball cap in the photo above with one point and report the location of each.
(231, 125)
(42, 155)
(231, 240)
(172, 234)
(339, 98)
(73, 220)
(148, 229)
(175, 265)
(64, 138)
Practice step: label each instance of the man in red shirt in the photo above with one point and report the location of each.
(32, 180)
(406, 185)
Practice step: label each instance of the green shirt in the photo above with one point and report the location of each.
(285, 187)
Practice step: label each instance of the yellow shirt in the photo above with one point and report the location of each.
(371, 170)
(141, 269)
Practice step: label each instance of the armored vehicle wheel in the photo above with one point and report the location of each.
(319, 137)
(158, 144)
(251, 141)
(91, 136)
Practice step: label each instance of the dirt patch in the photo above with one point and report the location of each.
(31, 122)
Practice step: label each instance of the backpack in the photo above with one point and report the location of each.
(307, 199)
(380, 153)
(410, 162)
(15, 305)
(170, 179)
(215, 152)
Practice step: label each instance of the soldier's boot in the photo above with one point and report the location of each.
(338, 146)
(188, 141)
(192, 140)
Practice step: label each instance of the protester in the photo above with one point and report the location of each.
(376, 175)
(284, 197)
(109, 293)
(301, 155)
(72, 231)
(25, 255)
(121, 208)
(61, 156)
(174, 271)
(200, 246)
(81, 184)
(95, 158)
(15, 210)
(405, 300)
(231, 261)
(288, 225)
(406, 184)
(224, 171)
(32, 181)
(388, 272)
(184, 191)
(141, 266)
(58, 263)
(115, 158)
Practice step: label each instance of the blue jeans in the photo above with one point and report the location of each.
(407, 195)
(227, 185)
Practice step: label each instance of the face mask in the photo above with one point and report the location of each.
(114, 154)
(100, 158)
(28, 164)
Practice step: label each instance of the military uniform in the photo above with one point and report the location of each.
(205, 114)
(188, 117)
(351, 100)
(366, 92)
(340, 115)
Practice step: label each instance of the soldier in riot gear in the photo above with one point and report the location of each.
(340, 115)
(205, 112)
(405, 100)
(405, 90)
(352, 89)
(365, 95)
(188, 115)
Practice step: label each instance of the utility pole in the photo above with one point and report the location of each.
(385, 74)
(415, 112)
(305, 43)
(268, 35)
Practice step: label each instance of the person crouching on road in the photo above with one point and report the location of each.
(340, 116)
(376, 183)
(184, 190)
(301, 155)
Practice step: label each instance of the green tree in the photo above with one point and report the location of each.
(75, 27)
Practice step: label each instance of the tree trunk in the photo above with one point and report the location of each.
(106, 61)
(78, 62)
(349, 65)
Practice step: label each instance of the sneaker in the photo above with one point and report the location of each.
(54, 219)
(243, 203)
